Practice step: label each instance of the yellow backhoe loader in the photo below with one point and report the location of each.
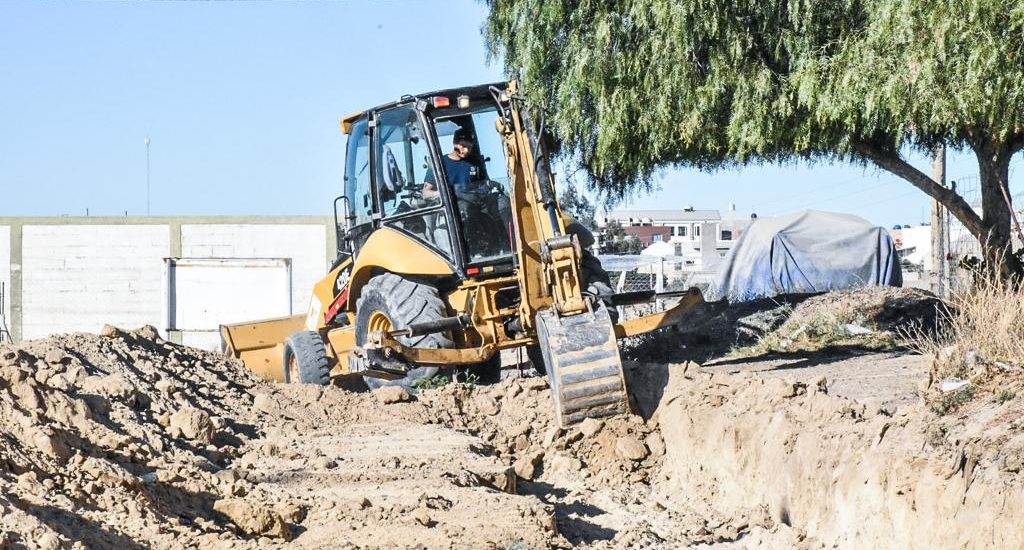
(452, 247)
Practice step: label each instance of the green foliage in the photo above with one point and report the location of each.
(614, 240)
(432, 383)
(578, 206)
(632, 86)
(1005, 395)
(953, 400)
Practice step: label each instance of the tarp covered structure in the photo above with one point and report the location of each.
(808, 252)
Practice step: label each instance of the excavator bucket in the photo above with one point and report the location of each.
(260, 345)
(583, 365)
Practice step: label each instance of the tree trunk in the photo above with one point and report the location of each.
(996, 240)
(992, 228)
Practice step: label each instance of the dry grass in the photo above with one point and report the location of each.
(987, 320)
(980, 339)
(862, 318)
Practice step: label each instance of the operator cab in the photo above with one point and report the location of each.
(433, 167)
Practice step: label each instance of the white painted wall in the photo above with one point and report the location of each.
(306, 245)
(207, 293)
(80, 277)
(5, 271)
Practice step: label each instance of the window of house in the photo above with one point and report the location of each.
(696, 230)
(726, 235)
(681, 230)
(656, 238)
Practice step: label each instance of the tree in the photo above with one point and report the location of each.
(578, 206)
(614, 240)
(635, 85)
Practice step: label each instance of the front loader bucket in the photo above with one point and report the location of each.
(260, 345)
(583, 364)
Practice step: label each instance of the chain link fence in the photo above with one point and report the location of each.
(961, 243)
(661, 274)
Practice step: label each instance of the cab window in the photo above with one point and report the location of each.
(408, 198)
(357, 174)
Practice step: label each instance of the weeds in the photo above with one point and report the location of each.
(981, 326)
(815, 334)
(980, 339)
(952, 401)
(432, 383)
(458, 376)
(1005, 395)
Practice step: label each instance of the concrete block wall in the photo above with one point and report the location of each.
(304, 244)
(78, 277)
(76, 274)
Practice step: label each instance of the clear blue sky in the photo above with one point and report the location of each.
(242, 100)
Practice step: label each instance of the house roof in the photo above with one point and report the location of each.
(678, 215)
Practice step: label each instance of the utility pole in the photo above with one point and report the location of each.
(146, 141)
(940, 229)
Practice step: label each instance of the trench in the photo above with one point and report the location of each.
(843, 472)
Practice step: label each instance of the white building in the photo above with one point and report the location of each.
(914, 244)
(700, 236)
(684, 223)
(183, 275)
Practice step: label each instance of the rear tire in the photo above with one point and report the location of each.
(305, 359)
(401, 302)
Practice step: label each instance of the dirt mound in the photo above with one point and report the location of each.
(127, 441)
(869, 318)
(878, 308)
(98, 431)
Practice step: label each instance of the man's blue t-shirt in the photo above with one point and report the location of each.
(460, 173)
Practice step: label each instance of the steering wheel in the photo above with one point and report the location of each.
(411, 191)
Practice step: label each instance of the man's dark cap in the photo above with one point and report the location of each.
(463, 136)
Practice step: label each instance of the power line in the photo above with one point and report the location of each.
(823, 188)
(888, 199)
(832, 198)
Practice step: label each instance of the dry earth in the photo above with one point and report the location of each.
(123, 440)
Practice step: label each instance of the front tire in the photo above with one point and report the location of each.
(305, 359)
(390, 301)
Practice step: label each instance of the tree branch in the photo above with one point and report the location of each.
(1016, 143)
(891, 162)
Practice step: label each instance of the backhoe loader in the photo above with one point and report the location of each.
(452, 247)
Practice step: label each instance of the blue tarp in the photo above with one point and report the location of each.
(808, 252)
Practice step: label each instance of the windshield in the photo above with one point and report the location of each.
(476, 172)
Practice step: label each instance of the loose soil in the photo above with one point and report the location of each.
(123, 440)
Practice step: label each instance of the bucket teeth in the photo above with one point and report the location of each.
(583, 365)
